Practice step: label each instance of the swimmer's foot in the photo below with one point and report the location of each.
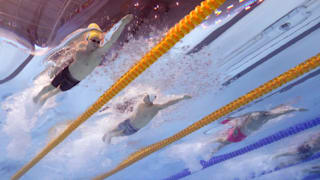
(213, 152)
(207, 156)
(106, 138)
(35, 99)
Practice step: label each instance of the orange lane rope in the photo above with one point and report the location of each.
(284, 78)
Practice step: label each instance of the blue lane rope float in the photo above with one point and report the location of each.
(262, 142)
(312, 177)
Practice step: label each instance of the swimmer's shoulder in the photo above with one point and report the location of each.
(81, 50)
(81, 46)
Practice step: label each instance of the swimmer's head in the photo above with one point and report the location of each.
(149, 98)
(95, 36)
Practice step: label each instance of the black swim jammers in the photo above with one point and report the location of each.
(64, 80)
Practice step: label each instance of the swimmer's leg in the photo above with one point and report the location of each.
(288, 162)
(48, 95)
(218, 148)
(315, 169)
(292, 157)
(108, 136)
(293, 153)
(222, 143)
(220, 139)
(44, 90)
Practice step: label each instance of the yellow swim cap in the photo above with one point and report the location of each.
(94, 34)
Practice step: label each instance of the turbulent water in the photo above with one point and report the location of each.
(26, 128)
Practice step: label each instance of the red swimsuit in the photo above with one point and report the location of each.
(234, 133)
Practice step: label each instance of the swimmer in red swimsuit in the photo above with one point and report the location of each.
(243, 126)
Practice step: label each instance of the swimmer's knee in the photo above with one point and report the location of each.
(108, 136)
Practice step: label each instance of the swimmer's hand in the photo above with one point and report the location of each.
(301, 109)
(127, 19)
(187, 97)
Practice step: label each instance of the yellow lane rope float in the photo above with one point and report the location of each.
(176, 33)
(293, 73)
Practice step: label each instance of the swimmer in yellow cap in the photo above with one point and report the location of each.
(85, 59)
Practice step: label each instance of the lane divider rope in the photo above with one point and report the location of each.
(312, 177)
(176, 33)
(288, 76)
(259, 144)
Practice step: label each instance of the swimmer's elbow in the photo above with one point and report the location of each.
(163, 106)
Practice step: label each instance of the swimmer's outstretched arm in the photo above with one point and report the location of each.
(116, 34)
(77, 35)
(290, 153)
(172, 102)
(288, 111)
(283, 113)
(69, 41)
(314, 169)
